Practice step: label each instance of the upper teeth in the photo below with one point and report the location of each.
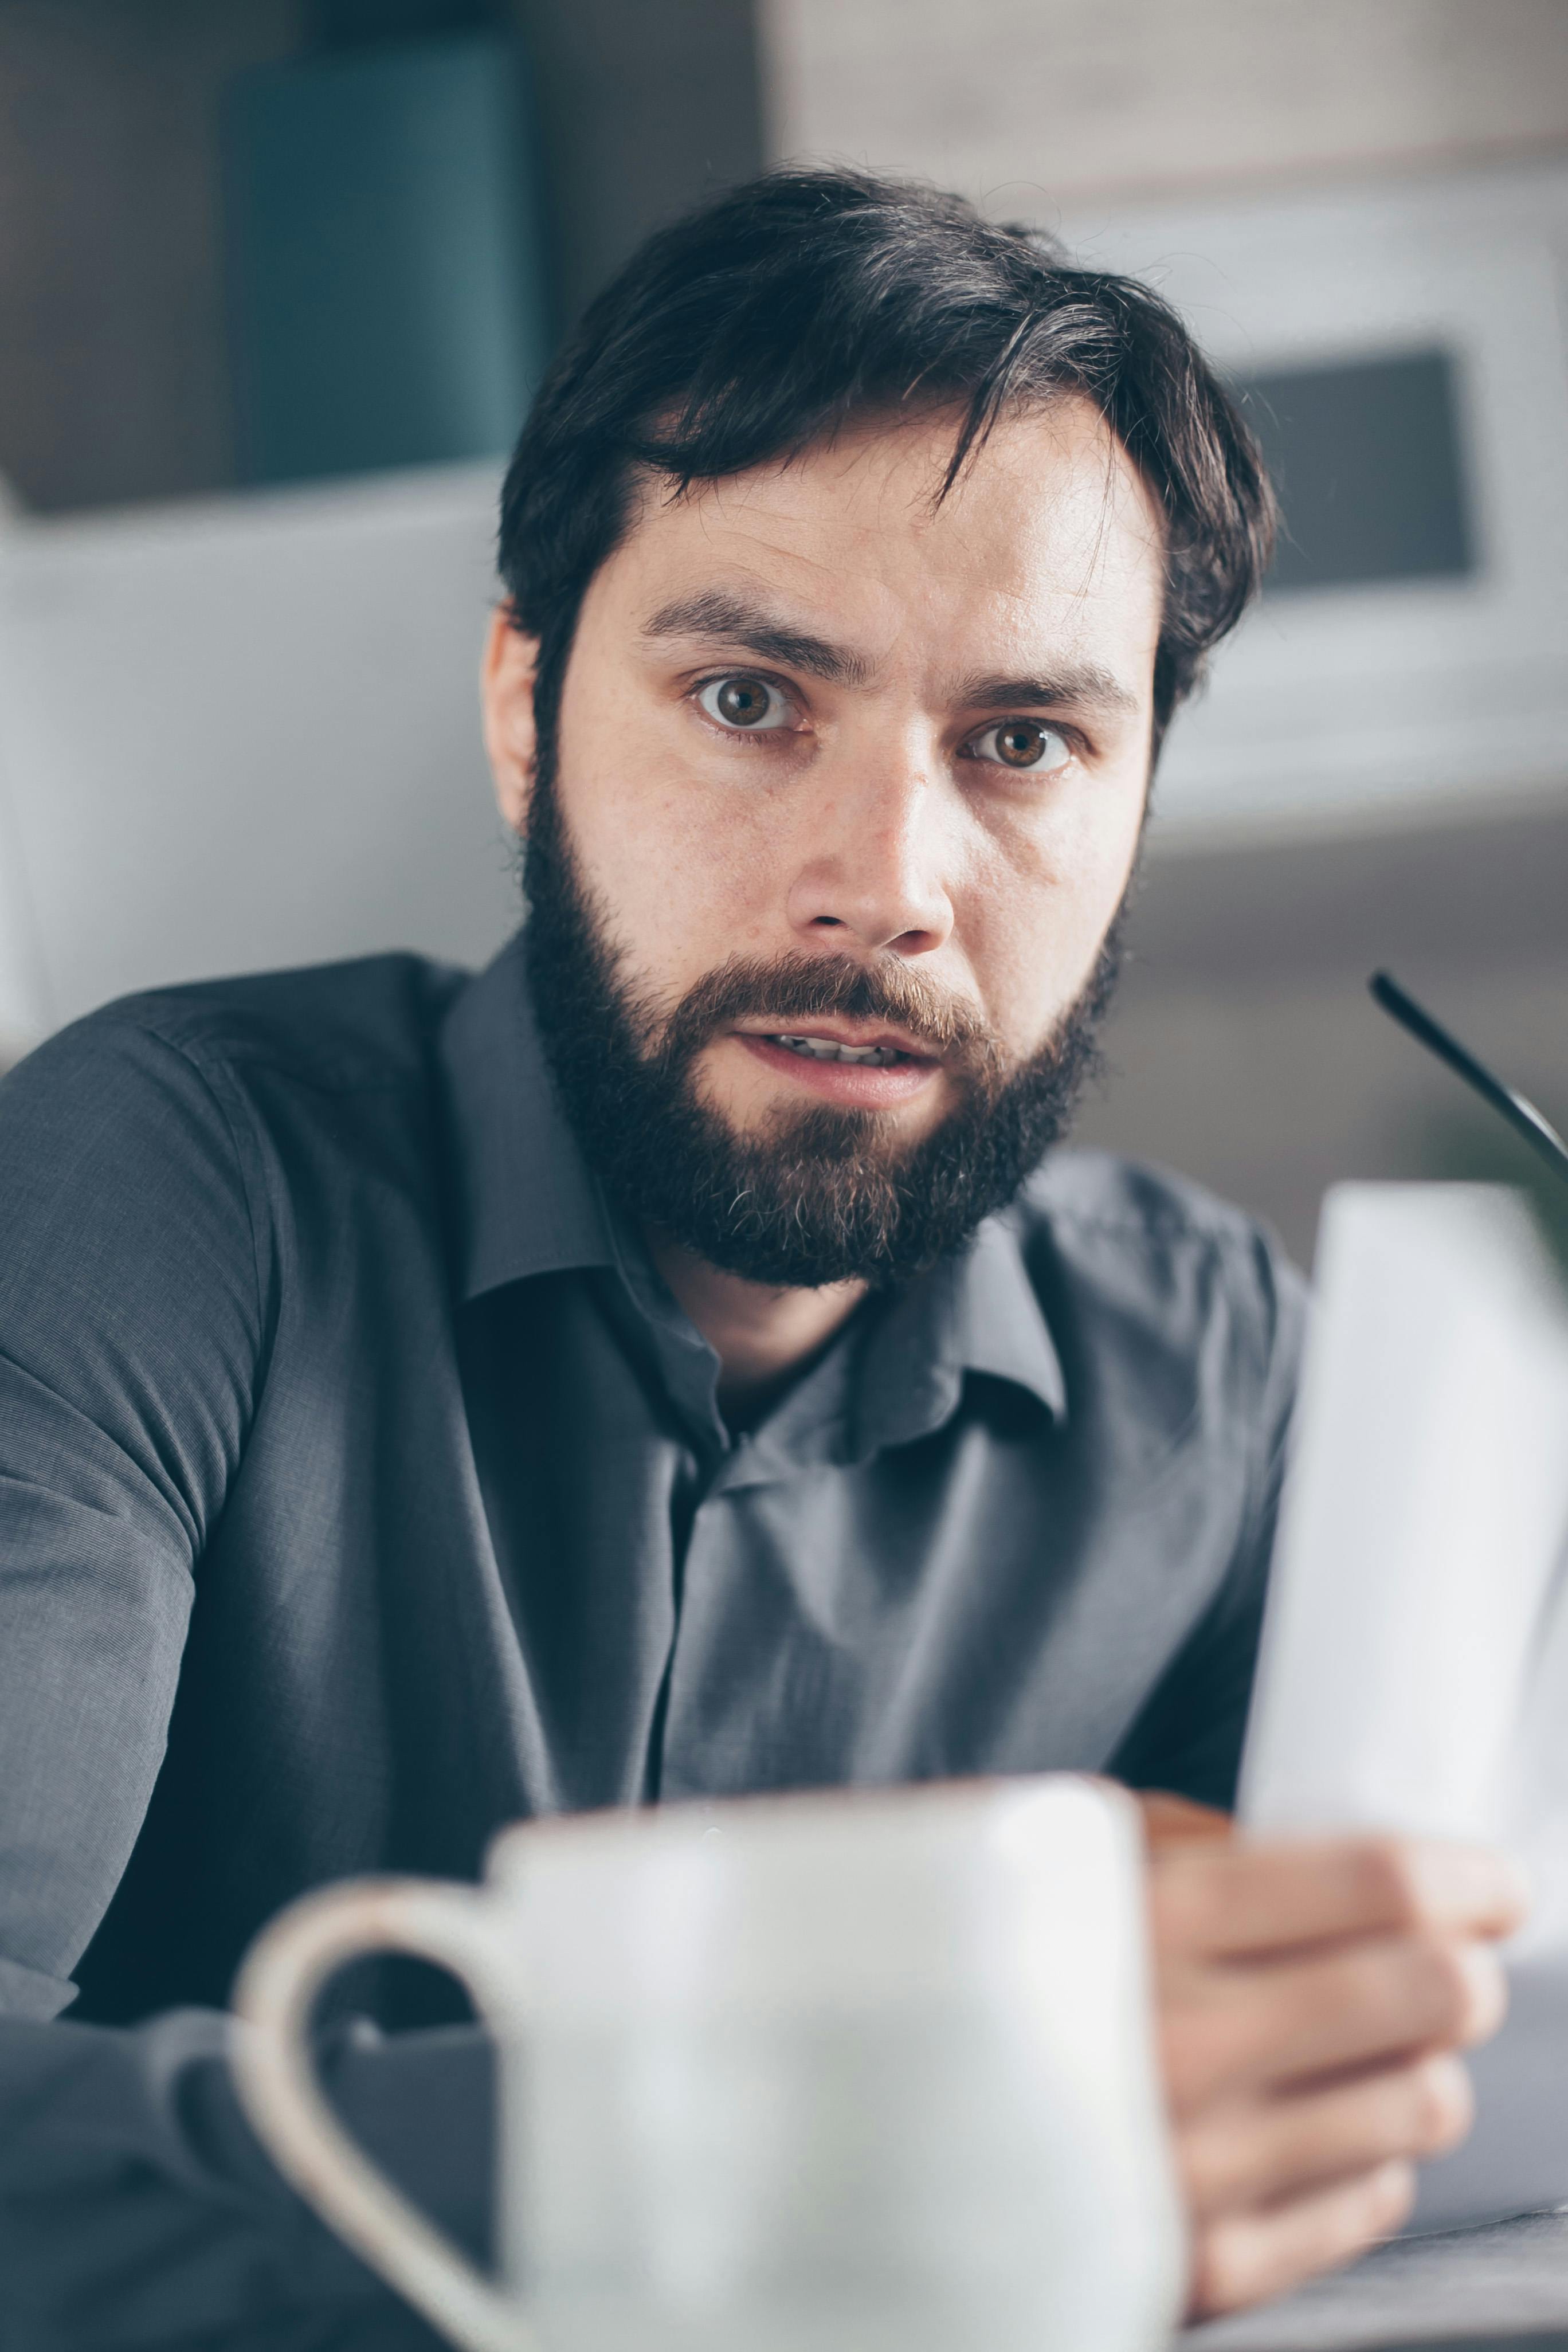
(826, 1049)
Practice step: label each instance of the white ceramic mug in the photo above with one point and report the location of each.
(834, 2073)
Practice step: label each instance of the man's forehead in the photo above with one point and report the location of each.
(1049, 530)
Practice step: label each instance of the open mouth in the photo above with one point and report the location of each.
(876, 1074)
(826, 1049)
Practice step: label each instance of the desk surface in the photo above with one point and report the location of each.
(1464, 2291)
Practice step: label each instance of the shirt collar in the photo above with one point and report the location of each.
(977, 1312)
(1002, 1326)
(527, 1201)
(900, 1374)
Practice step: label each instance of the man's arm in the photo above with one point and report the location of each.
(139, 2214)
(1312, 1998)
(135, 2208)
(1312, 1995)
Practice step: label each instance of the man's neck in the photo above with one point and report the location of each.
(763, 1338)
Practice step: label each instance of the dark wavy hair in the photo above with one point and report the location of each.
(782, 309)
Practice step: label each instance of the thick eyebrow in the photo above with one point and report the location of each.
(1080, 685)
(721, 613)
(718, 613)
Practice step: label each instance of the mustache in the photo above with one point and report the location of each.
(795, 988)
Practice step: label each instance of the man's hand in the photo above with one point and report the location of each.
(1311, 1998)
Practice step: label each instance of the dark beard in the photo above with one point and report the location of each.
(815, 1195)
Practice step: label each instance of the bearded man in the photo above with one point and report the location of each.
(676, 1362)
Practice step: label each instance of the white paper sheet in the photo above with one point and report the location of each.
(1424, 1514)
(1414, 1674)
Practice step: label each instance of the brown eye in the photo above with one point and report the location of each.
(745, 702)
(1023, 743)
(1021, 746)
(742, 701)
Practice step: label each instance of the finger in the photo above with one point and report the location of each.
(1171, 1821)
(1231, 1898)
(1248, 2256)
(1249, 2154)
(1224, 2030)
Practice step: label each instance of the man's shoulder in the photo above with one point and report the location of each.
(1106, 1198)
(370, 1022)
(174, 1129)
(1167, 1250)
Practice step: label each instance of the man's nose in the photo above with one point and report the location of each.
(876, 857)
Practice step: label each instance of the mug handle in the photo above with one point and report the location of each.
(277, 1987)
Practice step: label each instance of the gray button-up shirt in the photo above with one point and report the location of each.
(363, 1488)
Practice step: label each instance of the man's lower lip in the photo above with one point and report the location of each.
(865, 1084)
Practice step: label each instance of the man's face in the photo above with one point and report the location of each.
(815, 722)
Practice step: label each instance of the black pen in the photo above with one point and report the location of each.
(1518, 1109)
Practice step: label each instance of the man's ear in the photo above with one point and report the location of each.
(506, 693)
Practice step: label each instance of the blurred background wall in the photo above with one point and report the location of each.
(276, 277)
